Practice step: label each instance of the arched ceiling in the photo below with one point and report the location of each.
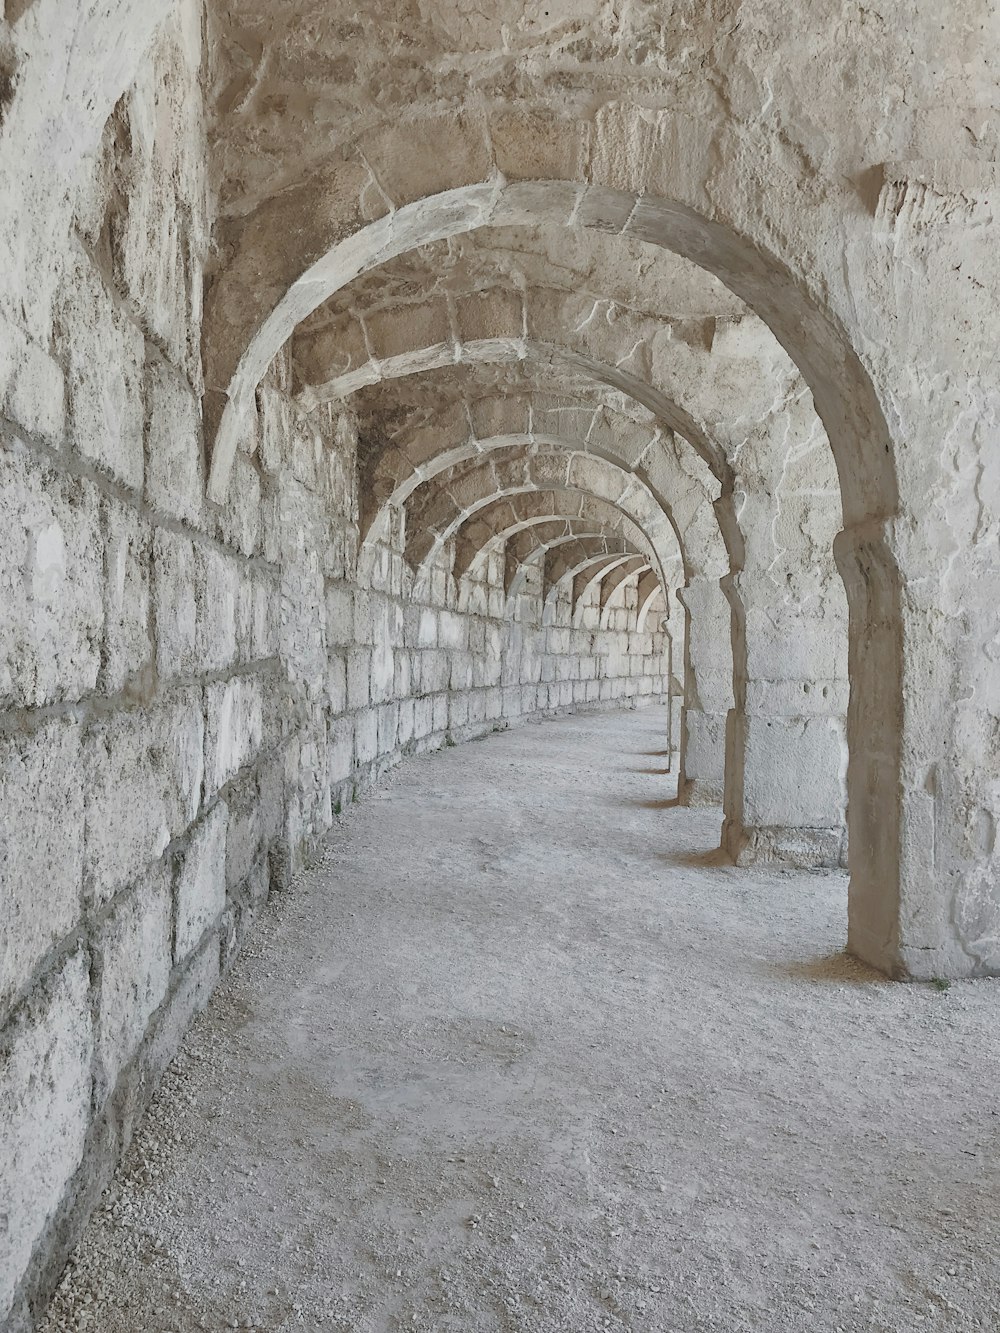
(634, 307)
(323, 70)
(524, 524)
(495, 270)
(437, 511)
(418, 431)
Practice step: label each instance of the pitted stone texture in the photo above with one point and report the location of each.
(143, 773)
(177, 575)
(174, 469)
(128, 647)
(41, 847)
(106, 370)
(234, 728)
(201, 880)
(45, 1071)
(134, 957)
(52, 613)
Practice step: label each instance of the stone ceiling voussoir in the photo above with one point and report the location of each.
(416, 158)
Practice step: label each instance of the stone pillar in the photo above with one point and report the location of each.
(923, 582)
(708, 693)
(786, 735)
(924, 792)
(674, 635)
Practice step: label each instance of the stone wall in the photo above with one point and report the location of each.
(191, 693)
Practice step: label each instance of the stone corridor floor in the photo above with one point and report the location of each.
(522, 1055)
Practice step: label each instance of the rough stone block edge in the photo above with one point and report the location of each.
(47, 456)
(114, 1122)
(192, 984)
(95, 709)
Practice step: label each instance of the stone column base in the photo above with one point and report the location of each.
(799, 848)
(702, 774)
(699, 792)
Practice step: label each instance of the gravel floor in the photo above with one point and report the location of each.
(522, 1055)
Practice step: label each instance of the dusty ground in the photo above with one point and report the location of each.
(522, 1056)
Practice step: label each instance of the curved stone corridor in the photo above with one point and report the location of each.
(523, 1053)
(377, 377)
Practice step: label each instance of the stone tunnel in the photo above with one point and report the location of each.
(378, 378)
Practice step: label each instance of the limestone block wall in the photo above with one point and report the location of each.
(189, 693)
(142, 729)
(448, 664)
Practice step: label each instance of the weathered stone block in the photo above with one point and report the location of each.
(401, 675)
(340, 749)
(362, 617)
(175, 608)
(201, 880)
(305, 454)
(794, 770)
(703, 750)
(255, 815)
(51, 583)
(161, 236)
(423, 717)
(175, 481)
(435, 671)
(339, 616)
(45, 1072)
(217, 593)
(239, 522)
(452, 630)
(106, 360)
(427, 628)
(440, 712)
(234, 722)
(336, 684)
(41, 847)
(275, 415)
(32, 391)
(264, 628)
(416, 673)
(244, 617)
(143, 775)
(462, 670)
(366, 735)
(128, 646)
(382, 670)
(133, 949)
(358, 678)
(199, 975)
(388, 726)
(404, 733)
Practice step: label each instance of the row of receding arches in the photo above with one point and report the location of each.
(479, 434)
(760, 412)
(459, 409)
(608, 407)
(472, 393)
